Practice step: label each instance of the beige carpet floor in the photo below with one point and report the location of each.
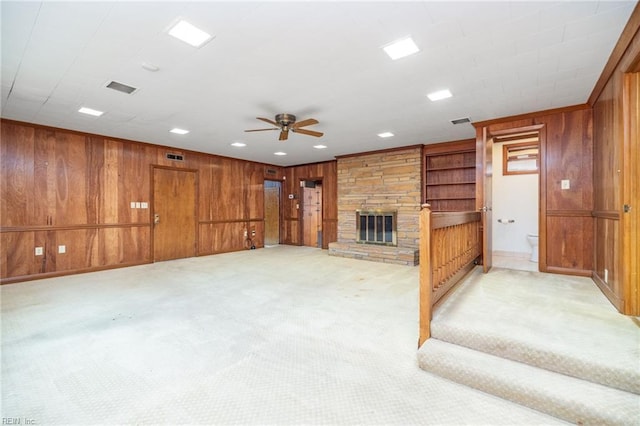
(557, 322)
(284, 335)
(551, 342)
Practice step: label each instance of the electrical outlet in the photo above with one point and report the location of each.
(565, 184)
(137, 204)
(39, 251)
(606, 276)
(144, 205)
(62, 249)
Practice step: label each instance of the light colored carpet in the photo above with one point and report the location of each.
(548, 324)
(578, 401)
(542, 320)
(284, 335)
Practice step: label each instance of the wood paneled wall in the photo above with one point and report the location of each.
(60, 187)
(291, 227)
(616, 236)
(566, 231)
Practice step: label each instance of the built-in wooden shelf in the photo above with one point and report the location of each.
(450, 176)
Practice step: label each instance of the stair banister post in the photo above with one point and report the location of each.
(426, 287)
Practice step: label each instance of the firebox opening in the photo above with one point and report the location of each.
(376, 227)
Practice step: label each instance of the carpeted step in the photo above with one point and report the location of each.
(555, 322)
(571, 399)
(582, 362)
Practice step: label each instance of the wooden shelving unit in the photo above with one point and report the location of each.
(450, 176)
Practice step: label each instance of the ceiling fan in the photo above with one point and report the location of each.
(286, 122)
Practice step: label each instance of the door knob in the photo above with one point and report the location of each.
(156, 219)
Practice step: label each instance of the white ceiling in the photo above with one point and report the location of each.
(312, 59)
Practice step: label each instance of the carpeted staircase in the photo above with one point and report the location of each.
(552, 343)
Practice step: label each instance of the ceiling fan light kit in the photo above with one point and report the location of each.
(287, 122)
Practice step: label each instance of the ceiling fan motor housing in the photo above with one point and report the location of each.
(285, 119)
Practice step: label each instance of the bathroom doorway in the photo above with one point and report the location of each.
(516, 200)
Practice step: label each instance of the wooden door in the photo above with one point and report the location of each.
(484, 173)
(271, 213)
(312, 215)
(174, 213)
(630, 215)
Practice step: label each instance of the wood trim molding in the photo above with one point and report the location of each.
(569, 213)
(531, 115)
(317, 163)
(524, 129)
(569, 271)
(22, 278)
(379, 151)
(215, 222)
(606, 214)
(627, 36)
(464, 145)
(72, 227)
(611, 296)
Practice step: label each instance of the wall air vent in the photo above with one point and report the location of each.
(461, 120)
(120, 87)
(271, 172)
(175, 157)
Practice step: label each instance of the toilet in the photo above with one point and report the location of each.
(533, 242)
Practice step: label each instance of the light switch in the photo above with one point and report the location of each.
(133, 204)
(144, 205)
(39, 251)
(62, 249)
(564, 184)
(137, 204)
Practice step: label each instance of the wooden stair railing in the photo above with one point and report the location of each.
(449, 247)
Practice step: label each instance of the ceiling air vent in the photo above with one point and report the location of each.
(461, 120)
(120, 87)
(175, 157)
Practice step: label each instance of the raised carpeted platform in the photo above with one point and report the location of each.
(549, 342)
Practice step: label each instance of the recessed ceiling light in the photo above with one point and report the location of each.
(401, 48)
(189, 34)
(385, 134)
(178, 131)
(440, 94)
(90, 111)
(279, 153)
(239, 144)
(319, 146)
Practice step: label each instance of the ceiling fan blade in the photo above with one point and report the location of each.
(283, 135)
(308, 132)
(262, 130)
(268, 121)
(307, 122)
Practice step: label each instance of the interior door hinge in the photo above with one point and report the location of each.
(626, 208)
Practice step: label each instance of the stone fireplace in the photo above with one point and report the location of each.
(379, 196)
